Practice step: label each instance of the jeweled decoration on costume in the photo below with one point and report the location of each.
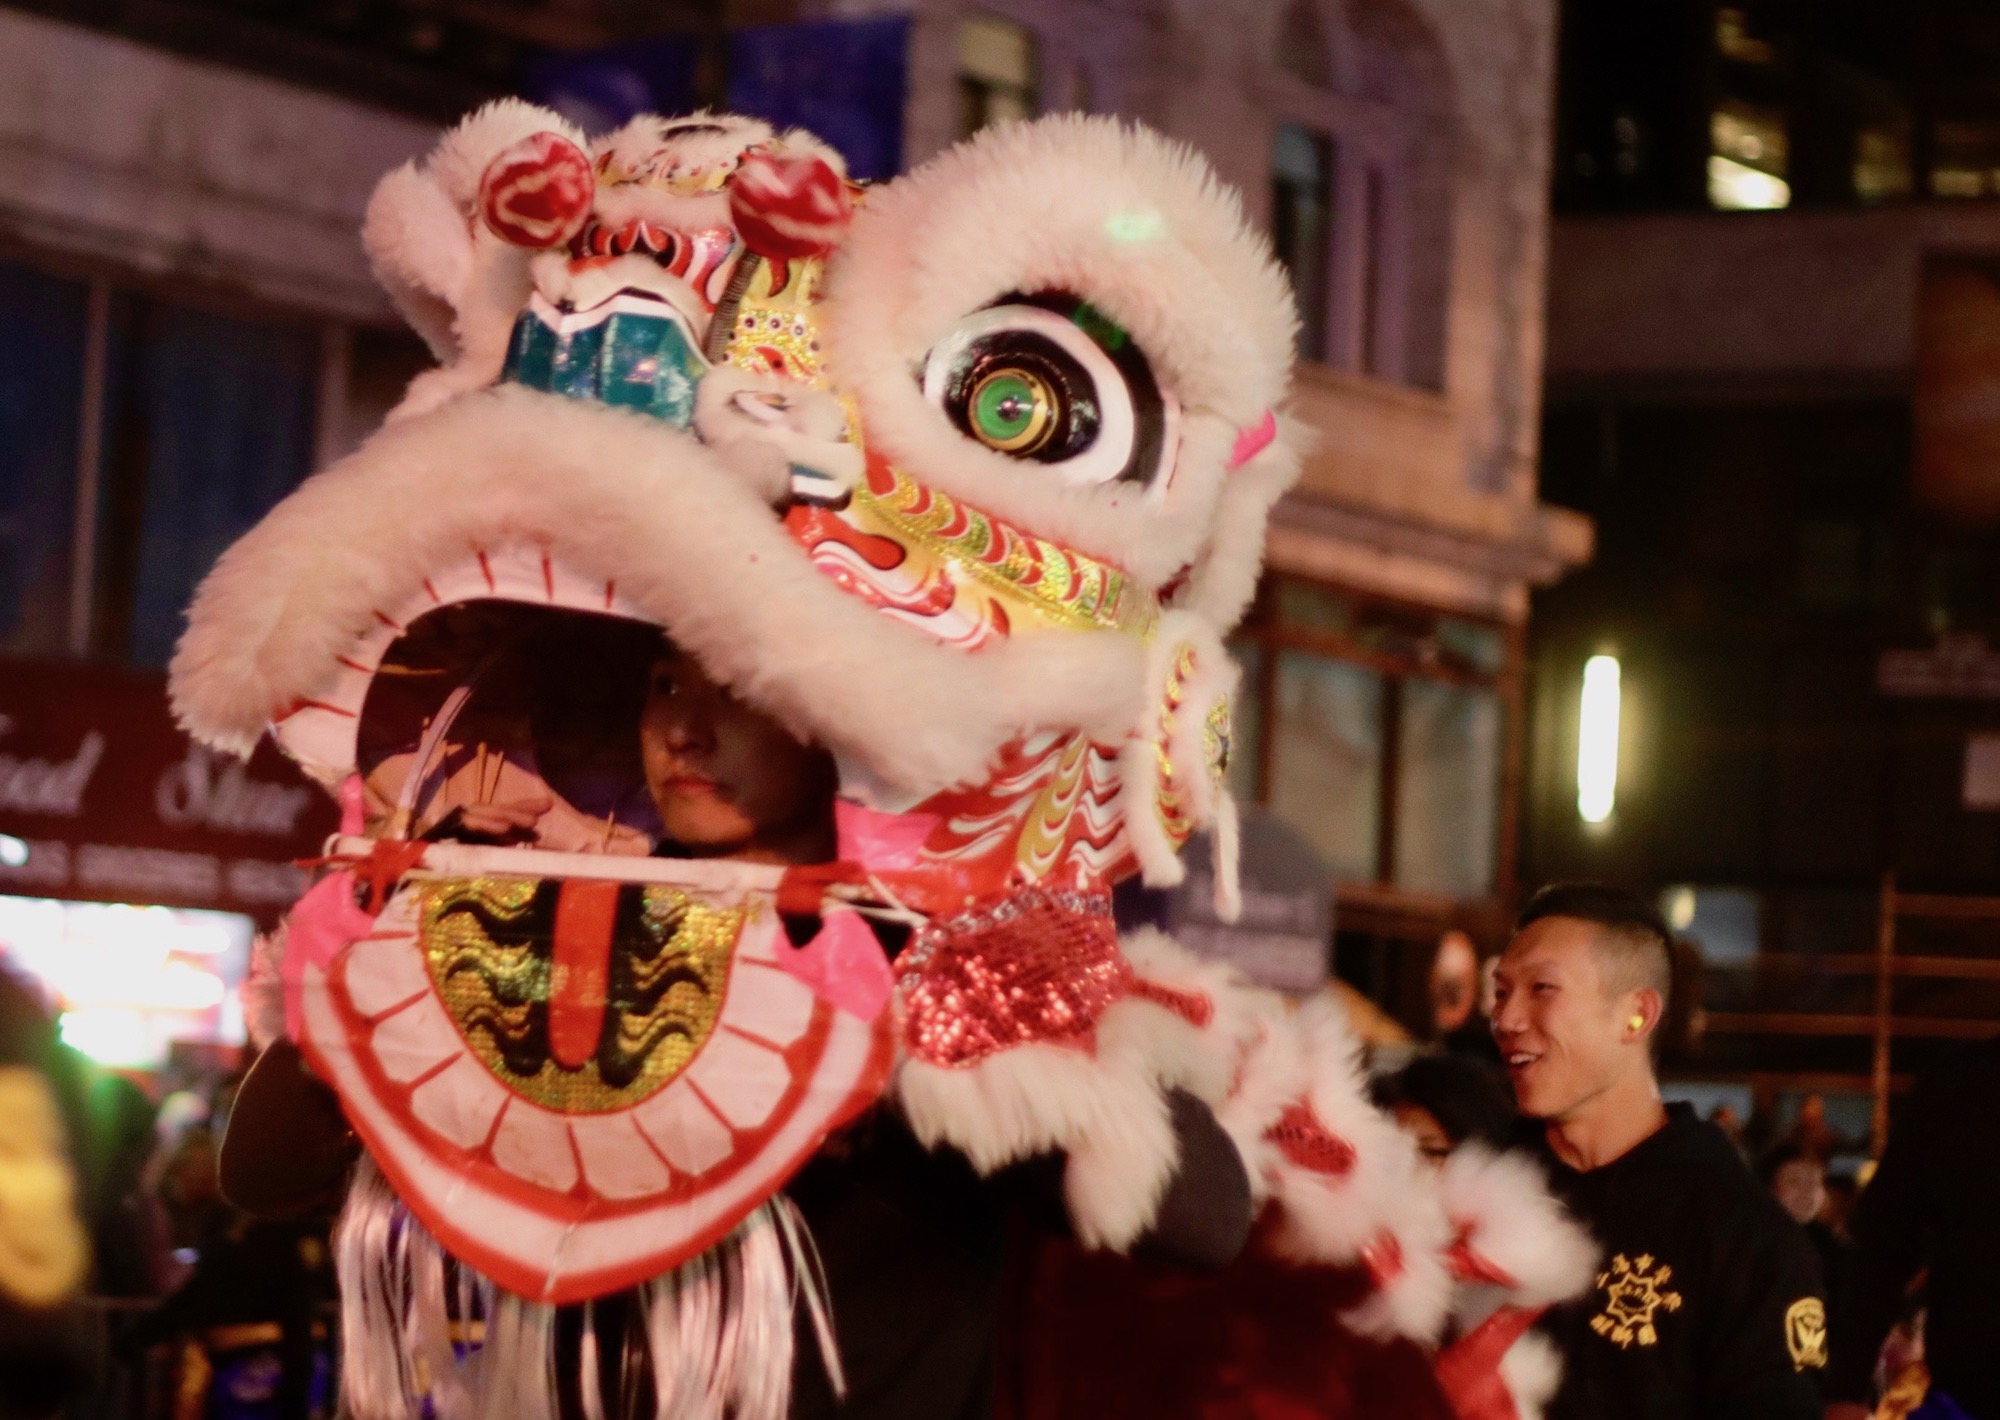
(1038, 966)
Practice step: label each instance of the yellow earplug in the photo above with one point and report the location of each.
(1638, 1023)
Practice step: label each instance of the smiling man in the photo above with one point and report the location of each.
(1709, 1303)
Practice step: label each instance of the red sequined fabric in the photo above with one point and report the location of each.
(1037, 966)
(1308, 1144)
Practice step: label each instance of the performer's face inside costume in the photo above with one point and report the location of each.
(726, 779)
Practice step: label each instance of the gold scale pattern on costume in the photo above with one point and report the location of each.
(1065, 586)
(666, 990)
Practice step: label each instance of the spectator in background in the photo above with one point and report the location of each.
(1444, 1100)
(1931, 1205)
(45, 1353)
(1797, 1179)
(1709, 1307)
(128, 1227)
(1725, 1118)
(1456, 992)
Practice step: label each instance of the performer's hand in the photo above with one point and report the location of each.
(511, 818)
(1847, 1410)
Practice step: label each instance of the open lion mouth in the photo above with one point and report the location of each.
(580, 1065)
(490, 704)
(569, 1133)
(502, 626)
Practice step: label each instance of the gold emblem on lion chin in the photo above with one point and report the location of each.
(1805, 1334)
(42, 1249)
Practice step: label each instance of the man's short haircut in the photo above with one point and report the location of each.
(1632, 946)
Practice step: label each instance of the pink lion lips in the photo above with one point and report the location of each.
(538, 192)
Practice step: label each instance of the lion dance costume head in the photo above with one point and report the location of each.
(961, 479)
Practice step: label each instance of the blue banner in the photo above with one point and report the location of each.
(603, 88)
(844, 80)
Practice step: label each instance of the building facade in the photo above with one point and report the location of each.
(1770, 311)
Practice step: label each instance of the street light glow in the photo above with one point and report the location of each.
(1597, 740)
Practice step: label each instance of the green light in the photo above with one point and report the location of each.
(1143, 225)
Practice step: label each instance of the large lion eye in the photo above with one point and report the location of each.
(1049, 378)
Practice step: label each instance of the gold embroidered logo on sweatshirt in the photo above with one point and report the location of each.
(1635, 1291)
(1805, 1333)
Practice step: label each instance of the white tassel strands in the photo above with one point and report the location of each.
(425, 1338)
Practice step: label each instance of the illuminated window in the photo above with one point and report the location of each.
(1882, 162)
(1966, 159)
(997, 73)
(1736, 39)
(1747, 157)
(130, 982)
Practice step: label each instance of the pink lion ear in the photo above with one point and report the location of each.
(787, 208)
(537, 192)
(1253, 440)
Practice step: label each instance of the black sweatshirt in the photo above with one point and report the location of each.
(915, 1245)
(1933, 1203)
(1708, 1304)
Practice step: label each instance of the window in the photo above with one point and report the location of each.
(200, 423)
(1303, 51)
(997, 73)
(1377, 731)
(1302, 225)
(41, 396)
(1325, 751)
(1360, 187)
(209, 424)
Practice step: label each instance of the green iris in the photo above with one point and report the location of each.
(1013, 410)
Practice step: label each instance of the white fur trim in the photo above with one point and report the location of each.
(1105, 1107)
(1119, 216)
(263, 989)
(421, 249)
(1214, 678)
(1388, 1192)
(616, 496)
(462, 156)
(1503, 1204)
(1224, 577)
(1269, 1077)
(1532, 1371)
(456, 283)
(1204, 1060)
(1227, 848)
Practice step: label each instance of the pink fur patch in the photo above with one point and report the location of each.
(325, 923)
(844, 964)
